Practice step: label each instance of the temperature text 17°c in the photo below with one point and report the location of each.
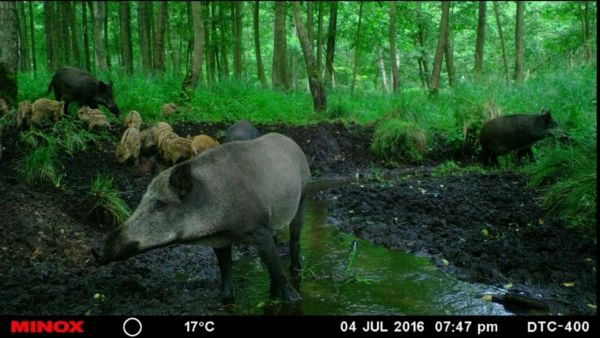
(198, 326)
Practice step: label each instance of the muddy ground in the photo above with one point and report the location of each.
(46, 266)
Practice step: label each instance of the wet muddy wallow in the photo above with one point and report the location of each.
(47, 232)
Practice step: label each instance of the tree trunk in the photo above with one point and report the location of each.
(159, 42)
(449, 52)
(86, 39)
(381, 65)
(51, 60)
(223, 27)
(320, 38)
(23, 43)
(214, 55)
(31, 29)
(502, 45)
(99, 46)
(422, 55)
(393, 60)
(76, 52)
(309, 24)
(441, 46)
(198, 41)
(356, 47)
(106, 42)
(584, 13)
(480, 37)
(8, 53)
(316, 88)
(237, 38)
(208, 51)
(279, 79)
(331, 43)
(144, 35)
(519, 49)
(125, 41)
(260, 71)
(64, 31)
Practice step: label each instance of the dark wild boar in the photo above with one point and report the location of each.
(518, 132)
(241, 130)
(71, 84)
(241, 192)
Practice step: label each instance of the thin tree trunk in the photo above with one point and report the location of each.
(422, 55)
(502, 45)
(309, 24)
(320, 38)
(260, 71)
(316, 88)
(86, 38)
(237, 38)
(330, 43)
(159, 43)
(356, 47)
(144, 35)
(74, 34)
(214, 57)
(32, 30)
(51, 61)
(125, 41)
(441, 46)
(8, 52)
(395, 80)
(519, 49)
(479, 43)
(381, 65)
(223, 42)
(208, 43)
(23, 42)
(63, 7)
(198, 41)
(106, 41)
(449, 52)
(279, 79)
(99, 47)
(584, 13)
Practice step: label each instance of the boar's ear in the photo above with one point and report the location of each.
(181, 179)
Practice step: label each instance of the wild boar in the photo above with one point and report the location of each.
(129, 147)
(240, 192)
(133, 119)
(201, 143)
(517, 132)
(24, 114)
(174, 149)
(3, 107)
(168, 109)
(94, 117)
(43, 109)
(241, 130)
(74, 85)
(149, 136)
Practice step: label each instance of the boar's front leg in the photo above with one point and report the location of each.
(268, 253)
(224, 258)
(295, 229)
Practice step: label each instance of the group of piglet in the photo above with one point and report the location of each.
(170, 146)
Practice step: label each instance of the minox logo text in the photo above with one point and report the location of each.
(46, 326)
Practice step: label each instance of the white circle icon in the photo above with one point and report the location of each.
(138, 323)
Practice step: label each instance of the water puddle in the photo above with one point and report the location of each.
(344, 275)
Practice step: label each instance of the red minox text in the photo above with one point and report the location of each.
(46, 326)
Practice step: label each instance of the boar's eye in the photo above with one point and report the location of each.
(159, 206)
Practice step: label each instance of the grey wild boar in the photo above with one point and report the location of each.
(200, 143)
(24, 114)
(241, 192)
(133, 119)
(174, 149)
(43, 109)
(241, 130)
(74, 85)
(168, 109)
(518, 132)
(129, 147)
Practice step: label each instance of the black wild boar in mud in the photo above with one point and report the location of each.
(517, 132)
(240, 192)
(71, 84)
(241, 130)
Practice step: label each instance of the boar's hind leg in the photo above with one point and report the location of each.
(295, 229)
(268, 253)
(224, 258)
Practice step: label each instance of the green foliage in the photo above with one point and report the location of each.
(568, 176)
(40, 165)
(399, 140)
(105, 198)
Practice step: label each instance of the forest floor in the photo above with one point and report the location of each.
(479, 227)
